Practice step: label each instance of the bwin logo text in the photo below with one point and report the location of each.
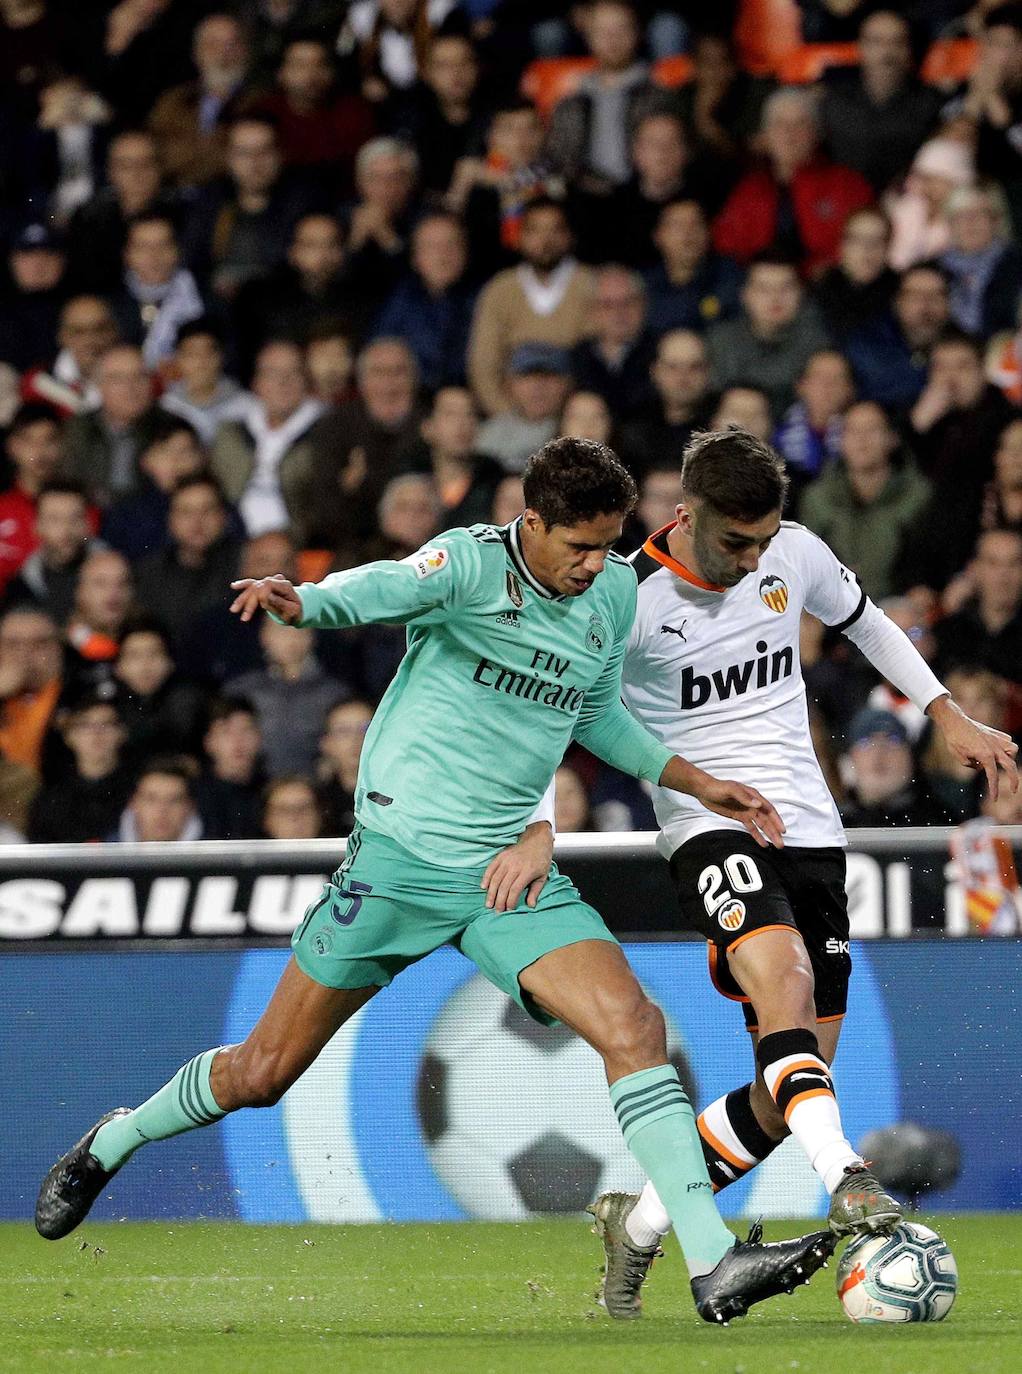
(737, 678)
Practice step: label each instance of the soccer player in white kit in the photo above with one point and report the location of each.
(713, 670)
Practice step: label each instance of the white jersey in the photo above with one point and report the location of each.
(714, 673)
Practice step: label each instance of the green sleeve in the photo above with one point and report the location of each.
(421, 589)
(604, 725)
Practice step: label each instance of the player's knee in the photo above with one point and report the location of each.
(636, 1033)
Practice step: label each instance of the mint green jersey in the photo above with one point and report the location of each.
(500, 674)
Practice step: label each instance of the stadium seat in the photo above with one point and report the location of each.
(765, 32)
(549, 79)
(807, 63)
(673, 71)
(949, 61)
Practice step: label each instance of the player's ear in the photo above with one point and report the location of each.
(533, 521)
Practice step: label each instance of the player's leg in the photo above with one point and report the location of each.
(301, 1017)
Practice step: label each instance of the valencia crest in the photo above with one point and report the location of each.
(773, 592)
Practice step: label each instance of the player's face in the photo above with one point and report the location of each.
(569, 558)
(728, 550)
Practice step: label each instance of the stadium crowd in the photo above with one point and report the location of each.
(289, 285)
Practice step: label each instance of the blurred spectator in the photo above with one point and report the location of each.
(508, 500)
(196, 566)
(30, 684)
(315, 284)
(189, 121)
(545, 300)
(239, 225)
(330, 362)
(64, 525)
(572, 807)
(614, 361)
(202, 395)
(681, 379)
(409, 514)
(219, 646)
(431, 307)
(229, 790)
(905, 612)
(103, 444)
(97, 232)
(291, 809)
(586, 415)
(857, 291)
(891, 356)
(775, 336)
(30, 309)
(292, 695)
(957, 419)
(67, 382)
(537, 383)
(34, 446)
(1002, 498)
(146, 47)
(746, 406)
(103, 598)
(84, 805)
(987, 631)
(465, 479)
(991, 101)
(691, 286)
(340, 749)
(157, 296)
(875, 116)
(809, 435)
(264, 459)
(271, 26)
(444, 115)
(380, 221)
(162, 805)
(984, 265)
(621, 228)
(865, 505)
(722, 104)
(362, 444)
(797, 201)
(919, 227)
(881, 788)
(388, 40)
(659, 497)
(983, 697)
(590, 131)
(322, 125)
(160, 710)
(136, 525)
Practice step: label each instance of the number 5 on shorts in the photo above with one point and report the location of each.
(355, 892)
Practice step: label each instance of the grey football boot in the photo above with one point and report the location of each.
(625, 1263)
(73, 1185)
(860, 1204)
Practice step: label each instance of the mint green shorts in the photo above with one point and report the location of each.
(385, 908)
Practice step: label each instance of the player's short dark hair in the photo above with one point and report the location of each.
(569, 481)
(165, 424)
(735, 473)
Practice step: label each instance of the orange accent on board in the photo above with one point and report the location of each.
(677, 568)
(721, 1149)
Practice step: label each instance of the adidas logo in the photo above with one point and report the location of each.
(508, 618)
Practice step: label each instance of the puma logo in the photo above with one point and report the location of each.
(670, 630)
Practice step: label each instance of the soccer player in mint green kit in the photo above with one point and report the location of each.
(515, 641)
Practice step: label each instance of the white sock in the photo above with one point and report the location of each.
(801, 1086)
(648, 1221)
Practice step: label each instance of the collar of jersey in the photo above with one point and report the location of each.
(514, 548)
(656, 548)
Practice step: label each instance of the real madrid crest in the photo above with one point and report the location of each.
(596, 634)
(514, 590)
(773, 592)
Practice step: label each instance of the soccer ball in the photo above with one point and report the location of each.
(516, 1116)
(908, 1276)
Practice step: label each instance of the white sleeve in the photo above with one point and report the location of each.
(892, 653)
(832, 591)
(545, 810)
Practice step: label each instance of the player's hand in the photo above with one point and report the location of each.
(274, 594)
(745, 804)
(525, 866)
(977, 746)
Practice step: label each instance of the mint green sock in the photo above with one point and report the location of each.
(659, 1128)
(183, 1104)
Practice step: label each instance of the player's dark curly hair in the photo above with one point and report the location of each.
(569, 481)
(734, 472)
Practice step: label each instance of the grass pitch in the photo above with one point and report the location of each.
(171, 1299)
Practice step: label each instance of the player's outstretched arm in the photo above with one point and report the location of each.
(731, 799)
(275, 594)
(977, 746)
